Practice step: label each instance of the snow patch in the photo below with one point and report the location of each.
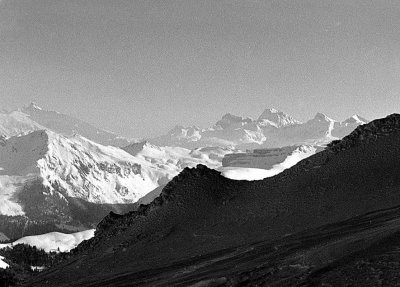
(54, 241)
(9, 185)
(3, 265)
(243, 173)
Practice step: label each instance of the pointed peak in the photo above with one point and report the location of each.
(272, 111)
(322, 117)
(230, 120)
(269, 111)
(229, 116)
(34, 106)
(277, 118)
(356, 119)
(135, 148)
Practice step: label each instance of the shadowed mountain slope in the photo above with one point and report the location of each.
(200, 212)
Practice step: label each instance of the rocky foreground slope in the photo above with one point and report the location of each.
(202, 218)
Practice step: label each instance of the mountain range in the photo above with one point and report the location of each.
(32, 117)
(72, 182)
(271, 129)
(54, 176)
(289, 230)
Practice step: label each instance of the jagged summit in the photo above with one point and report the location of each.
(356, 119)
(228, 120)
(179, 128)
(322, 117)
(136, 148)
(33, 106)
(277, 118)
(273, 128)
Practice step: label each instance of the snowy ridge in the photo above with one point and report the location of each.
(16, 123)
(175, 159)
(32, 118)
(272, 128)
(53, 241)
(79, 167)
(261, 164)
(276, 118)
(267, 158)
(75, 167)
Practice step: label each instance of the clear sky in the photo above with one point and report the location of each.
(140, 67)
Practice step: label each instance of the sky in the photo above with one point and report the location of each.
(139, 68)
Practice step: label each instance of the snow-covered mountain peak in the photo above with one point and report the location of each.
(229, 120)
(272, 110)
(79, 168)
(179, 128)
(276, 118)
(17, 123)
(33, 117)
(356, 119)
(322, 118)
(136, 148)
(191, 133)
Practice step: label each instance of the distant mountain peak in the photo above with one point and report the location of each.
(178, 129)
(33, 106)
(34, 117)
(322, 117)
(356, 119)
(135, 148)
(272, 111)
(277, 118)
(229, 120)
(232, 117)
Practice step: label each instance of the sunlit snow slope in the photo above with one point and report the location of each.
(248, 165)
(33, 117)
(74, 167)
(46, 177)
(54, 241)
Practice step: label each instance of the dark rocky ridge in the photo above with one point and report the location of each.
(368, 132)
(201, 212)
